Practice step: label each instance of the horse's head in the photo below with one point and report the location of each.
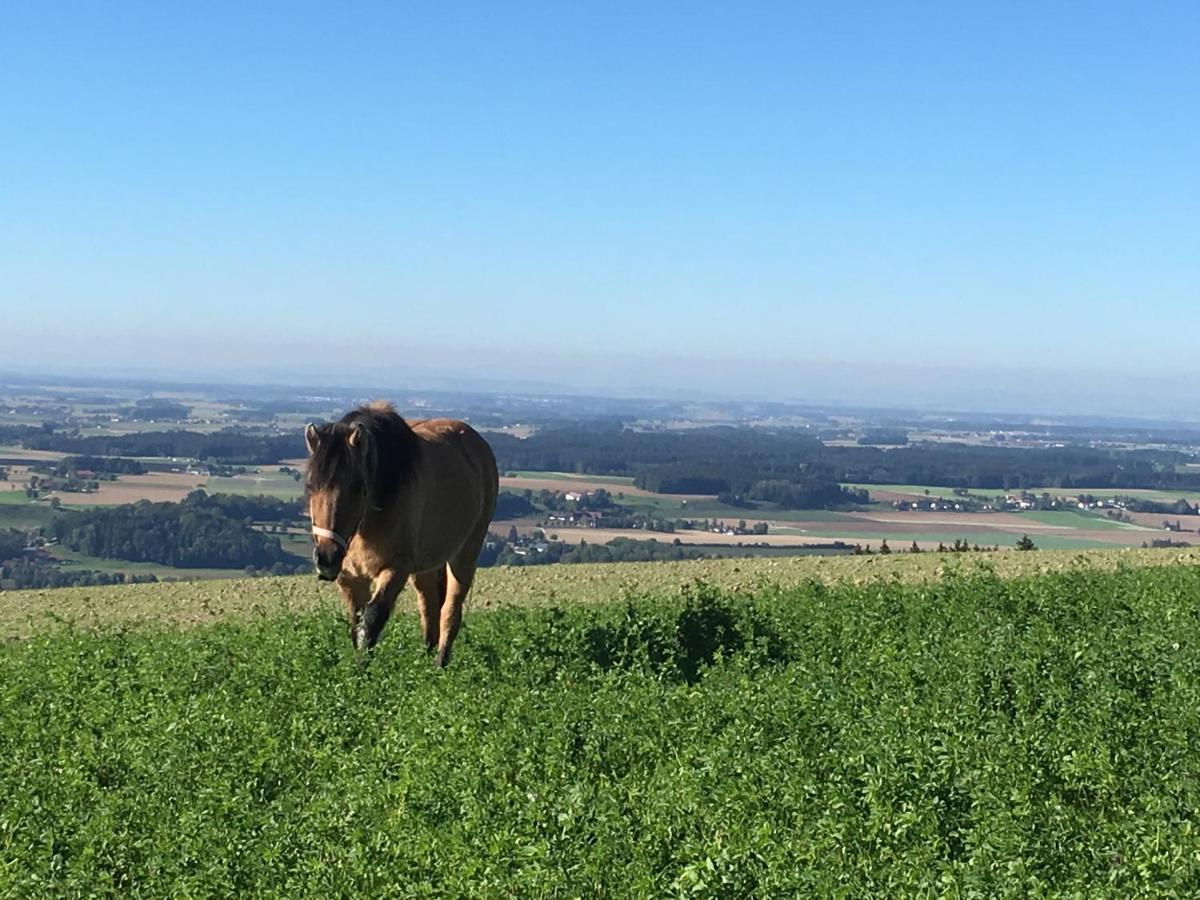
(338, 482)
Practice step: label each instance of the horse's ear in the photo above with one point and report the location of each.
(312, 438)
(360, 442)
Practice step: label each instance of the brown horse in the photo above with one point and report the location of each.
(390, 499)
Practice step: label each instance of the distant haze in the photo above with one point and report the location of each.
(831, 384)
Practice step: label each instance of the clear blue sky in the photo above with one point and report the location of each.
(668, 189)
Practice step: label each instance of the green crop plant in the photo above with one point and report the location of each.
(966, 736)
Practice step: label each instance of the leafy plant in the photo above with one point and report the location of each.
(968, 736)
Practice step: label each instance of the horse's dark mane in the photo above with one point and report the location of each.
(389, 462)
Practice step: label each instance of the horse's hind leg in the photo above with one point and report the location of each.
(460, 574)
(431, 591)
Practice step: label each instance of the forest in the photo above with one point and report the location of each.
(498, 551)
(717, 460)
(232, 447)
(196, 533)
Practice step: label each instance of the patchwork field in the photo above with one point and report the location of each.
(895, 726)
(868, 526)
(792, 528)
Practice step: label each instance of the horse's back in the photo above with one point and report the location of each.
(457, 457)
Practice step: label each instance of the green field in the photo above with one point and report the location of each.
(25, 515)
(615, 480)
(1071, 518)
(99, 564)
(267, 483)
(960, 736)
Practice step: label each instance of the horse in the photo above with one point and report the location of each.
(390, 500)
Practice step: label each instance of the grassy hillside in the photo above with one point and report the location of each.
(969, 736)
(906, 735)
(23, 613)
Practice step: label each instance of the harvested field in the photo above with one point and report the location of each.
(41, 455)
(154, 486)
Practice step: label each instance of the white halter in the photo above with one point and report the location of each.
(332, 535)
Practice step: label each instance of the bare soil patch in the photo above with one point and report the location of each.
(19, 453)
(156, 486)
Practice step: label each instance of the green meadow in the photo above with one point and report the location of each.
(961, 734)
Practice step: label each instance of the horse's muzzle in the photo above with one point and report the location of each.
(329, 565)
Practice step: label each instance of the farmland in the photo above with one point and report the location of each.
(792, 482)
(868, 525)
(852, 726)
(789, 530)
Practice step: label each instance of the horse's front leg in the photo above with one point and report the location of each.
(386, 587)
(356, 593)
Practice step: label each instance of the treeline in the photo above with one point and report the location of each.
(807, 493)
(186, 535)
(32, 575)
(110, 465)
(499, 552)
(12, 542)
(801, 491)
(18, 571)
(514, 506)
(685, 478)
(105, 468)
(882, 437)
(152, 409)
(612, 450)
(1009, 469)
(716, 460)
(257, 508)
(19, 434)
(1180, 507)
(231, 447)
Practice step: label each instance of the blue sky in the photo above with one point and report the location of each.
(751, 198)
